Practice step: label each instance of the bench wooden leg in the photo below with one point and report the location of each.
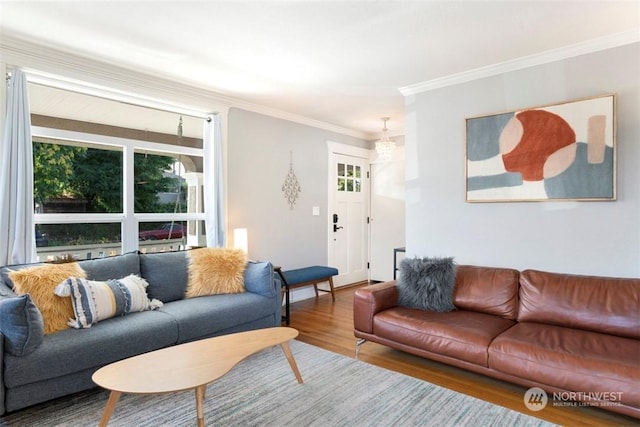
(313, 282)
(333, 295)
(330, 280)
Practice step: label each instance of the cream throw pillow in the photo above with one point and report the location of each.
(39, 282)
(215, 271)
(94, 301)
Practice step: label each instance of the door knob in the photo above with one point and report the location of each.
(336, 228)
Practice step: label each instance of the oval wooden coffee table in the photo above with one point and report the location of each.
(188, 366)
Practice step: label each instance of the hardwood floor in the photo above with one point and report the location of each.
(330, 326)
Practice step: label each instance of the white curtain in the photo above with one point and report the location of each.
(214, 183)
(17, 232)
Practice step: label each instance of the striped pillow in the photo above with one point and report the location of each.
(95, 301)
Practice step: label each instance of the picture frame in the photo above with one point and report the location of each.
(555, 152)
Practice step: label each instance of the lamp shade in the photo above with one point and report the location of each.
(240, 239)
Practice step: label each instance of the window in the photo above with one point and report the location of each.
(99, 195)
(76, 177)
(349, 178)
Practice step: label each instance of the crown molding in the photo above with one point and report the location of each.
(72, 72)
(589, 46)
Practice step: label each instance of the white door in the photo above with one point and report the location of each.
(348, 213)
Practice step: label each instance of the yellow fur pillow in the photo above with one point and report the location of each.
(39, 282)
(216, 271)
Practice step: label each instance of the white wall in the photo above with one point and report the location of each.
(600, 238)
(258, 156)
(387, 213)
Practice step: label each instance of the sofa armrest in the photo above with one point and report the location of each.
(259, 279)
(371, 300)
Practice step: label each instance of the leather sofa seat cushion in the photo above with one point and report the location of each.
(569, 359)
(487, 290)
(602, 304)
(463, 335)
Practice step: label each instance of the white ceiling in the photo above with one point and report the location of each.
(338, 62)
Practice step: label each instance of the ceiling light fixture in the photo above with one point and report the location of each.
(385, 147)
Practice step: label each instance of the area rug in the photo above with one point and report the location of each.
(262, 391)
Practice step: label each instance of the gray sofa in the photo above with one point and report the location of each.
(64, 362)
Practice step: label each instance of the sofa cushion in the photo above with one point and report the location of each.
(602, 304)
(427, 283)
(39, 282)
(21, 324)
(215, 271)
(258, 278)
(5, 291)
(569, 359)
(166, 273)
(463, 335)
(111, 267)
(95, 301)
(75, 350)
(6, 288)
(487, 290)
(209, 315)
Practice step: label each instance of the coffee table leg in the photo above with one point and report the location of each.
(199, 404)
(292, 361)
(108, 410)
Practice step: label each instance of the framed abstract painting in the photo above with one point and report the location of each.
(564, 151)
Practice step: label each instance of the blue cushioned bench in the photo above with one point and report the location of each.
(306, 276)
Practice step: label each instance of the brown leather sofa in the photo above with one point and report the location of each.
(576, 337)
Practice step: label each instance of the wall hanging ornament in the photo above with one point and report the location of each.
(291, 187)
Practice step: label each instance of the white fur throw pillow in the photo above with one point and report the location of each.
(427, 283)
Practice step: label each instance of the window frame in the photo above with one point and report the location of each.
(129, 220)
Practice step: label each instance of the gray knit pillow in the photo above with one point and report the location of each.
(427, 283)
